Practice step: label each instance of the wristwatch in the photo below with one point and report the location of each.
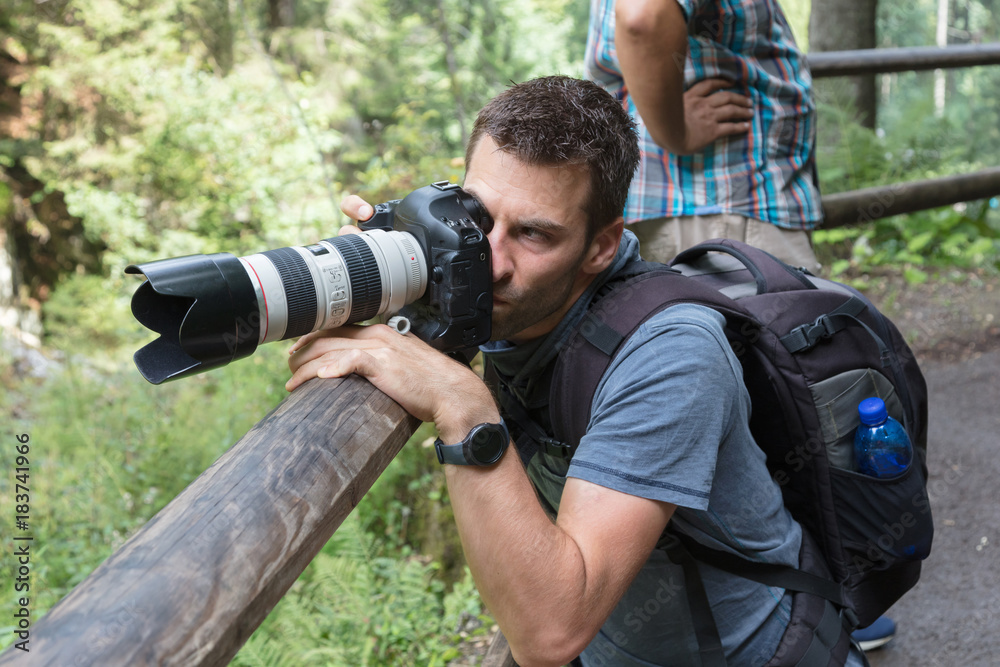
(484, 446)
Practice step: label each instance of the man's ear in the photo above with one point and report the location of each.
(604, 247)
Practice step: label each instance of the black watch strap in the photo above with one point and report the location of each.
(484, 446)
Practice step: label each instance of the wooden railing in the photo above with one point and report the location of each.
(910, 59)
(863, 206)
(194, 583)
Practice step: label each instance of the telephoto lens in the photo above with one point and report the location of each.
(213, 309)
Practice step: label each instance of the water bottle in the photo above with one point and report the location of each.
(881, 446)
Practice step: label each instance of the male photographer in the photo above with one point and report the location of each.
(668, 441)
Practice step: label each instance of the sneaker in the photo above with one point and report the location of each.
(876, 635)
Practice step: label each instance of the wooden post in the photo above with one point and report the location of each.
(193, 584)
(863, 206)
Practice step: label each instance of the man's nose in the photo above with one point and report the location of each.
(501, 263)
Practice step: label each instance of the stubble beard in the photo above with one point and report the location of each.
(526, 308)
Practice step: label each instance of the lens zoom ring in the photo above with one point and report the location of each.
(414, 266)
(300, 292)
(366, 281)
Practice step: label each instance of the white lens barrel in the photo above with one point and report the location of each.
(270, 297)
(353, 278)
(402, 267)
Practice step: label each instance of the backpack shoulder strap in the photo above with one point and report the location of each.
(616, 313)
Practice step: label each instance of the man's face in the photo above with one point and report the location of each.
(540, 260)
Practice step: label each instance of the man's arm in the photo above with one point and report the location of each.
(651, 44)
(549, 585)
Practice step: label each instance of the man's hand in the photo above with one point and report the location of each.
(711, 113)
(429, 385)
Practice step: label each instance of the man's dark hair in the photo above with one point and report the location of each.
(561, 121)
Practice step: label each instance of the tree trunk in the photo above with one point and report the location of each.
(441, 22)
(281, 13)
(216, 30)
(840, 25)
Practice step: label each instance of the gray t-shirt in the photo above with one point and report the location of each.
(670, 422)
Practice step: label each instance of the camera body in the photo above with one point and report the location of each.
(424, 258)
(450, 227)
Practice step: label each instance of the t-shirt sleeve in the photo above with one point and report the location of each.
(663, 409)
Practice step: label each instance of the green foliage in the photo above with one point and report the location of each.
(410, 509)
(101, 326)
(109, 450)
(965, 237)
(359, 603)
(917, 144)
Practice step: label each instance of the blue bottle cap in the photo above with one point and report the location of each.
(872, 411)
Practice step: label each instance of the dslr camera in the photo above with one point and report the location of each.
(421, 263)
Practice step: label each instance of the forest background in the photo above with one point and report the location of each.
(133, 131)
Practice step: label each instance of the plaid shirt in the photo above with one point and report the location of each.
(766, 173)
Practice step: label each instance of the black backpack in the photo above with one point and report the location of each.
(811, 350)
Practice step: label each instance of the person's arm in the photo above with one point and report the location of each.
(550, 586)
(651, 45)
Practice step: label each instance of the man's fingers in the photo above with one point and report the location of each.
(346, 331)
(735, 100)
(730, 112)
(305, 340)
(356, 208)
(728, 129)
(335, 364)
(318, 343)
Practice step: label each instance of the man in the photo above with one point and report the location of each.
(723, 99)
(551, 161)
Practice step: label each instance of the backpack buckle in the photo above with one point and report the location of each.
(556, 448)
(821, 328)
(849, 619)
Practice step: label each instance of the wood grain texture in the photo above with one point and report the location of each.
(192, 585)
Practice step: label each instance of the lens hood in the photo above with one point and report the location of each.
(205, 309)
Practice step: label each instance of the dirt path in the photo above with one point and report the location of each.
(949, 319)
(952, 616)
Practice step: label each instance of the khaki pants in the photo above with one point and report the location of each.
(660, 239)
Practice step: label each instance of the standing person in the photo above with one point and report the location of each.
(565, 554)
(723, 100)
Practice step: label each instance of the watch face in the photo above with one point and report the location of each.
(487, 444)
